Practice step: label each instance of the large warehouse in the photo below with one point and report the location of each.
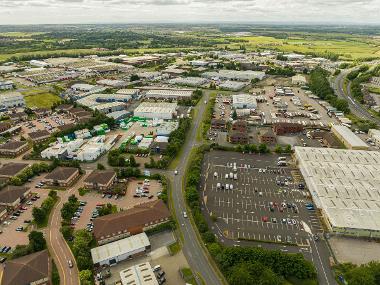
(348, 138)
(151, 110)
(114, 252)
(169, 94)
(244, 101)
(345, 186)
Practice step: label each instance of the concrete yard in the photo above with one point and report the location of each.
(354, 250)
(158, 255)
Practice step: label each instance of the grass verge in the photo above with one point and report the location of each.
(174, 248)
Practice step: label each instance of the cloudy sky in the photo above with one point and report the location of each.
(148, 11)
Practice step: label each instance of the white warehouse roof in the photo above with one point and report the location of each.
(244, 101)
(140, 274)
(156, 110)
(119, 247)
(352, 139)
(166, 93)
(345, 184)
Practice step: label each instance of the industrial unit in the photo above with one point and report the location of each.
(139, 274)
(114, 252)
(152, 110)
(235, 75)
(375, 136)
(12, 99)
(244, 101)
(189, 81)
(348, 138)
(168, 94)
(345, 186)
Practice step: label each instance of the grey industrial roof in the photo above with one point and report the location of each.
(352, 139)
(345, 184)
(120, 247)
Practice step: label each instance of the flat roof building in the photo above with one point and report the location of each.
(189, 81)
(168, 94)
(151, 110)
(375, 136)
(11, 100)
(140, 274)
(233, 85)
(244, 101)
(299, 79)
(238, 75)
(345, 186)
(348, 138)
(114, 252)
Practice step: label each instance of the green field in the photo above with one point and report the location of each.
(350, 48)
(374, 89)
(23, 44)
(40, 99)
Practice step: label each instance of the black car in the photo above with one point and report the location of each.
(3, 259)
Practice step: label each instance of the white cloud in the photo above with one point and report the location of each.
(93, 11)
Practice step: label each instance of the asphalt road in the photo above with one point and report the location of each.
(192, 249)
(355, 107)
(57, 245)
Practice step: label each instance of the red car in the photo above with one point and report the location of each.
(265, 219)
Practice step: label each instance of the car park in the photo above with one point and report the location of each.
(265, 201)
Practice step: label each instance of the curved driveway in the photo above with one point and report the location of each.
(57, 245)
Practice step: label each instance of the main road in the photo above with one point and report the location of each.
(192, 249)
(356, 108)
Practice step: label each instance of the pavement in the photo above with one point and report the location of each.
(356, 108)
